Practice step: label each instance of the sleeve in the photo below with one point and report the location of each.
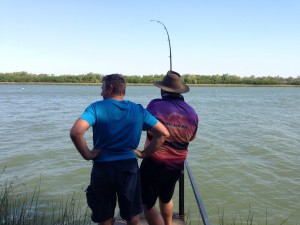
(149, 120)
(196, 119)
(89, 115)
(150, 105)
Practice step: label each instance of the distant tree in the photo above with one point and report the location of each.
(148, 79)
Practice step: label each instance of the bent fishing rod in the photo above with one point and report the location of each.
(168, 41)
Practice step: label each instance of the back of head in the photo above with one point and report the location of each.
(117, 82)
(172, 83)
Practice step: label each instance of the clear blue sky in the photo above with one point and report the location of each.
(238, 37)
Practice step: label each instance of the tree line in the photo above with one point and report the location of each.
(93, 78)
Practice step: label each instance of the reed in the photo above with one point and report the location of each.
(21, 206)
(193, 217)
(238, 219)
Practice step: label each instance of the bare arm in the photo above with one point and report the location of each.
(160, 133)
(77, 135)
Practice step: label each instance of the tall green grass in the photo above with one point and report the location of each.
(22, 206)
(235, 219)
(249, 220)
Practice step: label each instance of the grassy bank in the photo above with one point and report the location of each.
(141, 84)
(148, 79)
(20, 205)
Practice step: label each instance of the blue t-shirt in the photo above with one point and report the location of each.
(117, 127)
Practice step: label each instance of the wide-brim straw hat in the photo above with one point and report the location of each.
(172, 83)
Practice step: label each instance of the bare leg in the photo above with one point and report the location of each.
(166, 210)
(135, 220)
(107, 222)
(153, 216)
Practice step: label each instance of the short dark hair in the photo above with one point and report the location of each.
(117, 81)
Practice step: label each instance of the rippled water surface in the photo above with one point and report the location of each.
(245, 159)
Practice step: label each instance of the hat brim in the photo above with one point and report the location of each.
(182, 89)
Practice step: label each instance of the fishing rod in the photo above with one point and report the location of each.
(168, 41)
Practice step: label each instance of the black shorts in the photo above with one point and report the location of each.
(157, 182)
(112, 181)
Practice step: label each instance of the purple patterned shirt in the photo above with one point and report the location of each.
(182, 122)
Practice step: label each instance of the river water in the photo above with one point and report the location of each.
(245, 159)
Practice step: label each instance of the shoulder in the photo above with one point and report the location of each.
(156, 101)
(133, 104)
(136, 107)
(97, 106)
(189, 106)
(96, 103)
(190, 109)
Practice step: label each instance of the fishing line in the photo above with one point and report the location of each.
(168, 41)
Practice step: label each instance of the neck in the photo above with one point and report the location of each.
(173, 96)
(118, 97)
(115, 97)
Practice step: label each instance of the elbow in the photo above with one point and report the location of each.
(160, 131)
(166, 134)
(74, 135)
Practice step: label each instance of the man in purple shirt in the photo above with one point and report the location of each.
(161, 170)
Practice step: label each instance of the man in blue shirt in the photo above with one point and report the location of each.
(117, 127)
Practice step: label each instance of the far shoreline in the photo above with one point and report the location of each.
(141, 84)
